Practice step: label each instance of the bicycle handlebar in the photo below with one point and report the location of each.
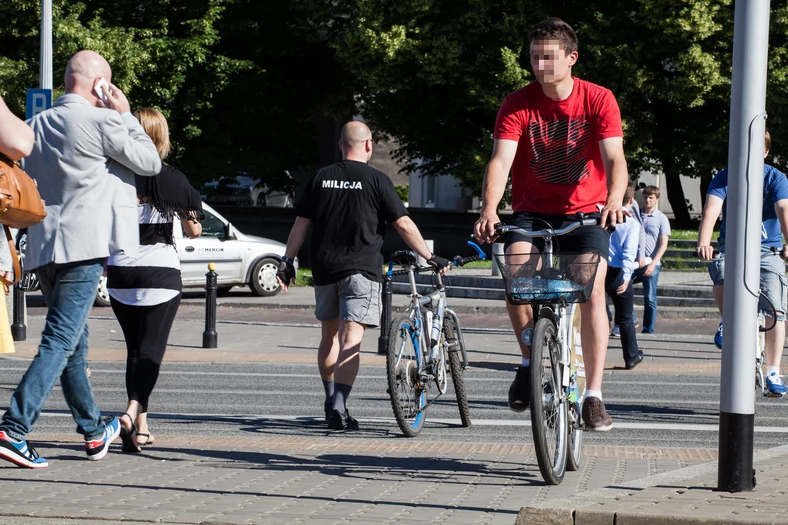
(456, 261)
(717, 256)
(501, 229)
(462, 261)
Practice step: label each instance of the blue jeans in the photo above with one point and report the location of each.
(649, 297)
(69, 290)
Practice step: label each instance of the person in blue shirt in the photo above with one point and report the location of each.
(773, 280)
(622, 261)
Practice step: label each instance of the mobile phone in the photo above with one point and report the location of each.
(99, 91)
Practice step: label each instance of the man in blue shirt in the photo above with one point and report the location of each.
(622, 261)
(773, 281)
(657, 232)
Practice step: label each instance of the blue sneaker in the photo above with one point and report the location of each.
(775, 385)
(615, 332)
(718, 337)
(98, 448)
(20, 453)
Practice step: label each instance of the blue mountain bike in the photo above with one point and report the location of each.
(425, 347)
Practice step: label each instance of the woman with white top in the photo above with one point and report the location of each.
(145, 291)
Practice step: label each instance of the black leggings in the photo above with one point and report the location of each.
(146, 330)
(625, 312)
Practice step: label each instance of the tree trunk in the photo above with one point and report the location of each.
(675, 195)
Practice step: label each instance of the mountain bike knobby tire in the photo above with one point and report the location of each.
(548, 416)
(455, 364)
(574, 454)
(402, 372)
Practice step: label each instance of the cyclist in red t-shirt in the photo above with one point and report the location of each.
(562, 139)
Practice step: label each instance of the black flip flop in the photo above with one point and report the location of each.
(129, 439)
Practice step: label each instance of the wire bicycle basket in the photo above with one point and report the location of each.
(542, 278)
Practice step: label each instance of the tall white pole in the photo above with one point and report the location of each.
(743, 245)
(45, 78)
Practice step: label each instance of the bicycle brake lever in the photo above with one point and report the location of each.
(478, 249)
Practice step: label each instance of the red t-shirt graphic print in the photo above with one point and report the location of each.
(558, 167)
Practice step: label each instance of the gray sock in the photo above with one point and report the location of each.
(328, 386)
(341, 393)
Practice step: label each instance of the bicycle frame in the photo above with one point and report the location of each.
(438, 350)
(427, 353)
(556, 398)
(563, 316)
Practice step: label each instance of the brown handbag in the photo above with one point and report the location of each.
(20, 206)
(20, 203)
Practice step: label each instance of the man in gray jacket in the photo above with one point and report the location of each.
(87, 150)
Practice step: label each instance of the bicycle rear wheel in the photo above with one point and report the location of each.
(404, 380)
(455, 365)
(760, 357)
(574, 454)
(548, 413)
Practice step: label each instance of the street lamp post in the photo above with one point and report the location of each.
(743, 246)
(45, 76)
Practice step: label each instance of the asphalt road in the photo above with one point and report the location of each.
(277, 400)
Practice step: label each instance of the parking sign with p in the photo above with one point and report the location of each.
(37, 101)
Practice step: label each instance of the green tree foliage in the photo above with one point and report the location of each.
(259, 86)
(247, 86)
(281, 114)
(436, 71)
(160, 52)
(402, 191)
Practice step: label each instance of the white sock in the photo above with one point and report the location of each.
(526, 362)
(593, 393)
(772, 370)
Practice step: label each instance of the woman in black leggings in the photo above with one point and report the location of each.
(145, 288)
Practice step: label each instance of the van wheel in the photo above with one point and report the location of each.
(102, 294)
(263, 281)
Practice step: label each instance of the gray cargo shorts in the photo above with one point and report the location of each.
(353, 298)
(773, 283)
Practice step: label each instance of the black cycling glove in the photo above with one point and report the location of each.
(438, 262)
(286, 272)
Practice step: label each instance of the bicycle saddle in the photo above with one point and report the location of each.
(404, 258)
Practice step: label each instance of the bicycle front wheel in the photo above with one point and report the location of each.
(455, 364)
(548, 413)
(404, 380)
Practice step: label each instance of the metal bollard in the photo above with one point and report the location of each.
(431, 245)
(497, 249)
(209, 336)
(18, 328)
(385, 316)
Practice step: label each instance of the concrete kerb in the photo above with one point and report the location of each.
(608, 505)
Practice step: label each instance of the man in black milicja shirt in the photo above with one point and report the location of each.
(348, 205)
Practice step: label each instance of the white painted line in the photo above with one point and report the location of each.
(505, 376)
(443, 421)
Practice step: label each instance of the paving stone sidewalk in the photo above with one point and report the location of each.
(264, 480)
(686, 496)
(191, 480)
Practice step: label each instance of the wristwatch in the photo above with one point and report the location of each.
(288, 260)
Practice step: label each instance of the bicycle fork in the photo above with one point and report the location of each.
(569, 386)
